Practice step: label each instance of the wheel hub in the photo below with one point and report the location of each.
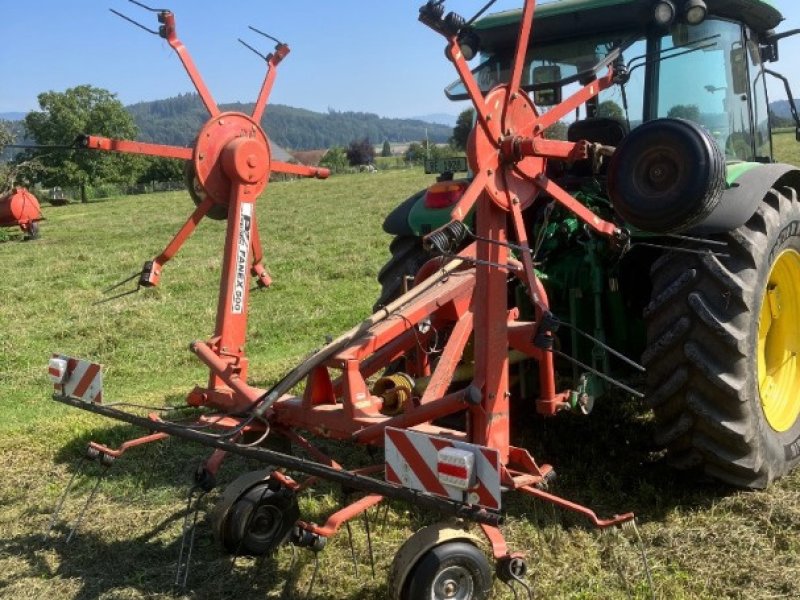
(779, 343)
(453, 582)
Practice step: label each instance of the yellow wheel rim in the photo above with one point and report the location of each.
(779, 343)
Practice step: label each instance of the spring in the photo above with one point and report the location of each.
(433, 10)
(453, 23)
(447, 239)
(396, 391)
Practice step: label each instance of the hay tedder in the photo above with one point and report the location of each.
(20, 208)
(547, 236)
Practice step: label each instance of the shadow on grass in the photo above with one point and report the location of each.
(145, 566)
(606, 462)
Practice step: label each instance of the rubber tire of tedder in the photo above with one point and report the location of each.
(702, 352)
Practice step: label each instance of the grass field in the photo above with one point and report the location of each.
(323, 245)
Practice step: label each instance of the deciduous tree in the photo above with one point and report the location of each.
(62, 117)
(462, 129)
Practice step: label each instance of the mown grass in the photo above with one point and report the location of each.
(323, 245)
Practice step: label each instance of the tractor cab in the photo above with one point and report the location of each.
(694, 60)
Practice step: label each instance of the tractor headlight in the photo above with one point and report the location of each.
(664, 13)
(694, 11)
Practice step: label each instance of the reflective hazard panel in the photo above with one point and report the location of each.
(76, 378)
(453, 469)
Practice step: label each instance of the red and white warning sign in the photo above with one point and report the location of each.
(449, 468)
(76, 378)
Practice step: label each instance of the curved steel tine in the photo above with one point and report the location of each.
(266, 35)
(78, 471)
(253, 50)
(144, 6)
(129, 20)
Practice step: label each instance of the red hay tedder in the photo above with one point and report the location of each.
(352, 390)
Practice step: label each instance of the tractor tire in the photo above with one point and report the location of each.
(723, 352)
(408, 256)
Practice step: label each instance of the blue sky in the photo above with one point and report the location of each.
(347, 55)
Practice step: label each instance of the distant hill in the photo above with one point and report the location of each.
(12, 116)
(439, 118)
(176, 121)
(781, 108)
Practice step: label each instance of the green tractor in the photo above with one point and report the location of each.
(707, 289)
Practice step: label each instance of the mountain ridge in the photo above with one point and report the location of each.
(176, 120)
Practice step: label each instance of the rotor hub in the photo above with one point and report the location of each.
(231, 148)
(509, 118)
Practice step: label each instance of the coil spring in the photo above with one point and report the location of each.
(432, 12)
(453, 23)
(447, 239)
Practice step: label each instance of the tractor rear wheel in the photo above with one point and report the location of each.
(407, 258)
(723, 352)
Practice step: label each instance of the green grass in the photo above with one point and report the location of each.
(323, 246)
(786, 146)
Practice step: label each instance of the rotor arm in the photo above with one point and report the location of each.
(522, 46)
(473, 91)
(96, 142)
(301, 170)
(587, 216)
(273, 60)
(151, 273)
(569, 105)
(169, 33)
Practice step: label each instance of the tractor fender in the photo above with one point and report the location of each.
(740, 201)
(397, 222)
(418, 544)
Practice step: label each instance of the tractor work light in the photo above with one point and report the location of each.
(664, 13)
(695, 11)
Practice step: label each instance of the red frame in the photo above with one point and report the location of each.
(471, 303)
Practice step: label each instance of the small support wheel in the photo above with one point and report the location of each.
(415, 549)
(33, 231)
(255, 515)
(454, 570)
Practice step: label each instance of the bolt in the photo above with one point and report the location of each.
(202, 156)
(252, 161)
(222, 121)
(514, 96)
(515, 201)
(488, 118)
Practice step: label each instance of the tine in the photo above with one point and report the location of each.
(144, 6)
(287, 585)
(129, 20)
(352, 547)
(510, 586)
(117, 297)
(632, 528)
(123, 282)
(385, 516)
(266, 35)
(369, 544)
(189, 529)
(313, 576)
(81, 466)
(79, 520)
(249, 47)
(526, 587)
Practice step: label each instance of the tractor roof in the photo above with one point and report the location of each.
(571, 18)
